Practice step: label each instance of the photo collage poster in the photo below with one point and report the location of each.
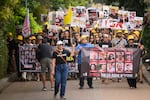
(28, 61)
(78, 17)
(110, 62)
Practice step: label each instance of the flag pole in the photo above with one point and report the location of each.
(26, 25)
(26, 4)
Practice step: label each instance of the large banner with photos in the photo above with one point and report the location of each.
(29, 63)
(27, 59)
(110, 62)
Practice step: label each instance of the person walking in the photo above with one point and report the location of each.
(139, 43)
(60, 68)
(44, 54)
(119, 41)
(20, 42)
(84, 44)
(11, 44)
(105, 43)
(131, 44)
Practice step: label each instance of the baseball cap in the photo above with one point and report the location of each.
(59, 42)
(39, 37)
(83, 37)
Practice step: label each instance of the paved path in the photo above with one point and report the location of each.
(110, 91)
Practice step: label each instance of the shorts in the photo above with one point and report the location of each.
(141, 61)
(46, 65)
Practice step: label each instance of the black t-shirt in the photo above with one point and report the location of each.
(135, 45)
(58, 55)
(105, 44)
(131, 46)
(137, 41)
(67, 42)
(44, 51)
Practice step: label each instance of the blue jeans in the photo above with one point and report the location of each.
(61, 74)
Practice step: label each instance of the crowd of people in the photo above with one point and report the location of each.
(77, 39)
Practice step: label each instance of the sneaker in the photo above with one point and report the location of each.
(44, 89)
(141, 82)
(81, 87)
(52, 88)
(38, 80)
(55, 97)
(91, 87)
(62, 98)
(131, 87)
(119, 80)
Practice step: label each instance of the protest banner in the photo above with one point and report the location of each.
(110, 62)
(79, 17)
(106, 12)
(138, 23)
(79, 11)
(59, 18)
(29, 63)
(105, 17)
(27, 59)
(113, 24)
(123, 16)
(78, 21)
(92, 16)
(113, 12)
(72, 64)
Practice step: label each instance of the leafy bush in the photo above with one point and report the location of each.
(3, 56)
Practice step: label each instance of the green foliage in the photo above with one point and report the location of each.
(146, 37)
(79, 2)
(56, 4)
(3, 55)
(33, 24)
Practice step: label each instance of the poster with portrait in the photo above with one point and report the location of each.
(102, 67)
(138, 23)
(93, 71)
(123, 16)
(111, 67)
(78, 16)
(102, 56)
(129, 56)
(27, 58)
(94, 54)
(132, 15)
(72, 64)
(53, 28)
(92, 16)
(128, 62)
(119, 67)
(113, 12)
(59, 18)
(79, 11)
(111, 56)
(128, 67)
(120, 56)
(106, 12)
(73, 67)
(78, 21)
